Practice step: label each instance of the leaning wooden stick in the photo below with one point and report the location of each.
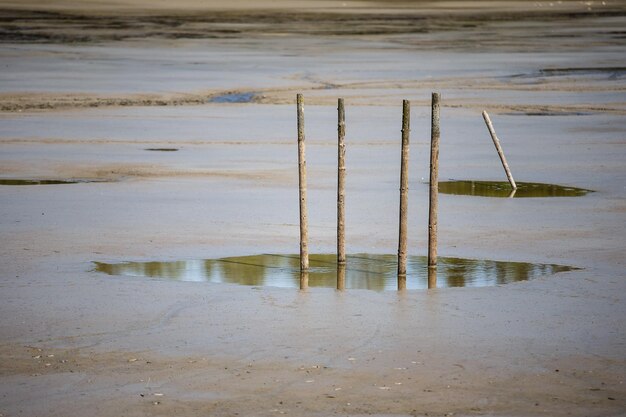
(496, 142)
(404, 194)
(304, 250)
(434, 182)
(341, 183)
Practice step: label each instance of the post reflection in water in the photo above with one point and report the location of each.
(341, 276)
(362, 271)
(432, 277)
(304, 279)
(401, 282)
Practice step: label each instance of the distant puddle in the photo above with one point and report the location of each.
(12, 181)
(612, 72)
(503, 189)
(363, 271)
(162, 149)
(548, 113)
(234, 98)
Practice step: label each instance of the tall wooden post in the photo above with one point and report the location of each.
(341, 183)
(434, 182)
(496, 142)
(404, 194)
(304, 249)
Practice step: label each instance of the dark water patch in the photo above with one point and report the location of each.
(618, 71)
(548, 113)
(612, 73)
(248, 97)
(15, 181)
(162, 149)
(363, 271)
(503, 189)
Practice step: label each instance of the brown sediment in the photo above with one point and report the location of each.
(159, 384)
(16, 102)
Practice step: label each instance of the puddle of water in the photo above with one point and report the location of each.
(363, 271)
(548, 113)
(503, 189)
(15, 181)
(234, 98)
(613, 72)
(162, 149)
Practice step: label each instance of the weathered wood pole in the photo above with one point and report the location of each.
(341, 183)
(496, 142)
(304, 249)
(434, 182)
(404, 194)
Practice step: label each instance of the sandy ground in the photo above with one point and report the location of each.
(87, 86)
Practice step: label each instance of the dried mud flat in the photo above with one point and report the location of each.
(88, 87)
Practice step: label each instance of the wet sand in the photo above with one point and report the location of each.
(86, 89)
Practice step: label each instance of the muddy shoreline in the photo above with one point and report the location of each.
(52, 27)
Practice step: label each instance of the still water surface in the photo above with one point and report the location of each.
(503, 189)
(363, 271)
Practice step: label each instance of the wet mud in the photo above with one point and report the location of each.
(22, 25)
(87, 86)
(362, 271)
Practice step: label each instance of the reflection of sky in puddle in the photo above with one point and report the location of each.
(503, 189)
(247, 97)
(363, 271)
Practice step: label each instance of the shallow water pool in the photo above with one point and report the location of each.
(363, 271)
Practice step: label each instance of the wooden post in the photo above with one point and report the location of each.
(496, 142)
(404, 194)
(434, 182)
(304, 250)
(341, 183)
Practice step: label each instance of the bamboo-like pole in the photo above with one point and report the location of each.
(434, 182)
(341, 183)
(496, 142)
(304, 249)
(404, 194)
